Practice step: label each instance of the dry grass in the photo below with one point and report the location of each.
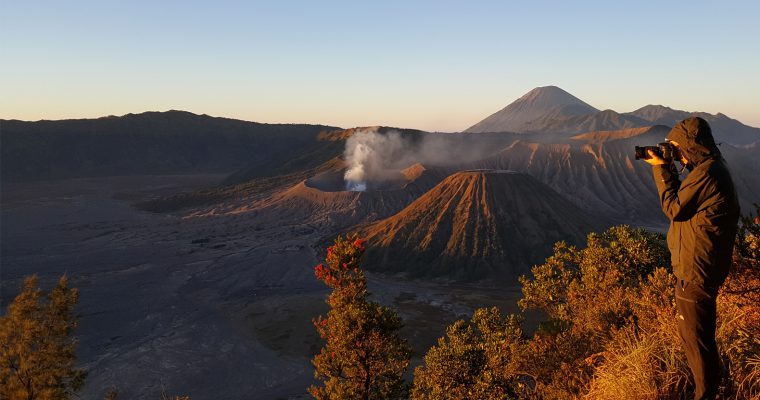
(647, 362)
(640, 367)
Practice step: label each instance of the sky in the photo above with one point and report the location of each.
(432, 65)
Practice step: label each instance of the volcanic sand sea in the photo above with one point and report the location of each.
(212, 307)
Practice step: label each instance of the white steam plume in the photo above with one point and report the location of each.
(376, 157)
(372, 156)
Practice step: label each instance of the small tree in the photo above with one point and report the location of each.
(36, 344)
(363, 356)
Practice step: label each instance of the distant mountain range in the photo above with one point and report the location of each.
(576, 150)
(172, 142)
(178, 142)
(550, 109)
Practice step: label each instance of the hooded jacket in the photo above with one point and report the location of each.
(703, 209)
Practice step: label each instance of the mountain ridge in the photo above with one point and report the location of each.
(550, 115)
(720, 123)
(152, 143)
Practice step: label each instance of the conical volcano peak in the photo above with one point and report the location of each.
(540, 103)
(550, 96)
(475, 224)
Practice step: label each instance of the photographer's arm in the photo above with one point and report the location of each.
(679, 201)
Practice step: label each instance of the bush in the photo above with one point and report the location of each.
(476, 360)
(590, 296)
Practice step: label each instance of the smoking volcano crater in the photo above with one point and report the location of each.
(327, 197)
(336, 181)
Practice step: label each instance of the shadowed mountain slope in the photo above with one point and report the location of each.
(152, 143)
(476, 224)
(247, 192)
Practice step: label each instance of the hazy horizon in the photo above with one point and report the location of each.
(436, 66)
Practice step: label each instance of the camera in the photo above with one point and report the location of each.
(664, 150)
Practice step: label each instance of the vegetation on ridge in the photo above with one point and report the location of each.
(610, 331)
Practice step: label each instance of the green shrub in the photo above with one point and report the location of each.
(479, 359)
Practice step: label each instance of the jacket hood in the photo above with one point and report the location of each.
(694, 138)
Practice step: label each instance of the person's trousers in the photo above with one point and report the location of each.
(696, 324)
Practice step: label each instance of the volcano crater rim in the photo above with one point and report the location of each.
(334, 181)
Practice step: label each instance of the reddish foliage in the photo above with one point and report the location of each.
(341, 266)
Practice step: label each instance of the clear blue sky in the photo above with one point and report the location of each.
(435, 65)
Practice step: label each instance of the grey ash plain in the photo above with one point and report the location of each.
(211, 307)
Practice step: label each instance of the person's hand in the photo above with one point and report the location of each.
(654, 159)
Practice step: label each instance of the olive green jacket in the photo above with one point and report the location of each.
(703, 209)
